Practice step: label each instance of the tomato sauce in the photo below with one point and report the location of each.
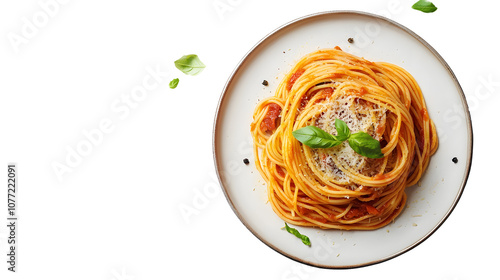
(355, 213)
(362, 210)
(303, 210)
(380, 129)
(371, 210)
(294, 78)
(280, 171)
(380, 177)
(363, 91)
(269, 121)
(424, 114)
(328, 91)
(336, 76)
(420, 139)
(332, 217)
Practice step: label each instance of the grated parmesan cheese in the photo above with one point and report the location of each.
(359, 115)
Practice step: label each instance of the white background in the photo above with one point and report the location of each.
(68, 68)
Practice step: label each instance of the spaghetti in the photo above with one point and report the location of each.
(337, 188)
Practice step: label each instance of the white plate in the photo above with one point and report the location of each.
(376, 39)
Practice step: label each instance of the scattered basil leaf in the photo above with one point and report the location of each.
(173, 84)
(424, 6)
(364, 144)
(315, 137)
(343, 131)
(295, 232)
(190, 64)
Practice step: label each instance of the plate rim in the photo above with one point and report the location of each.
(468, 126)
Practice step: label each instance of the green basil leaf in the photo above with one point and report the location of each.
(295, 232)
(173, 84)
(190, 64)
(363, 144)
(343, 131)
(315, 137)
(424, 6)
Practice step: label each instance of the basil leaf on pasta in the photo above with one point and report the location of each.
(424, 6)
(343, 131)
(361, 142)
(295, 232)
(364, 144)
(190, 64)
(315, 137)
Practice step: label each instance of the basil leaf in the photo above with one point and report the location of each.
(343, 131)
(363, 144)
(190, 64)
(315, 137)
(173, 84)
(295, 232)
(424, 6)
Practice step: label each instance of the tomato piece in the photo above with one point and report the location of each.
(303, 210)
(371, 210)
(355, 212)
(269, 121)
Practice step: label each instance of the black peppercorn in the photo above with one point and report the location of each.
(350, 40)
(246, 161)
(265, 82)
(455, 160)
